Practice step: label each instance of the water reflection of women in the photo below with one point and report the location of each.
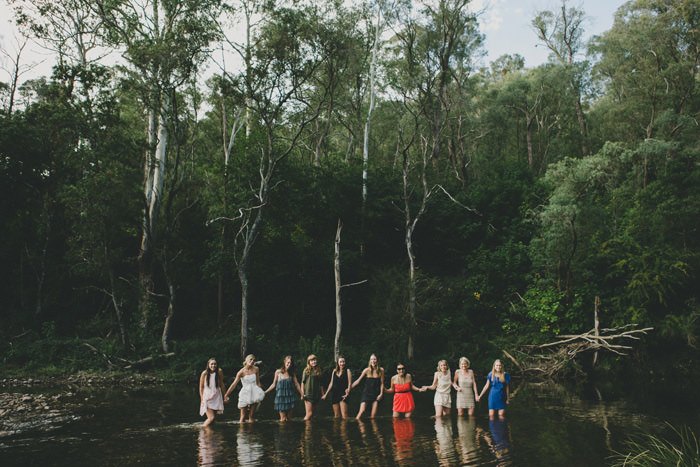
(404, 430)
(249, 446)
(444, 447)
(210, 444)
(499, 440)
(466, 432)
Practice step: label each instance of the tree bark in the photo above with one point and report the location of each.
(338, 305)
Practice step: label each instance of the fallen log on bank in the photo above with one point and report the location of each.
(546, 360)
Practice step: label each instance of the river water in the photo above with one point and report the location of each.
(546, 424)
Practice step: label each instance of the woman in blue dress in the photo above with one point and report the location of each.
(499, 382)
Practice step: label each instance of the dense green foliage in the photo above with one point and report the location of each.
(524, 209)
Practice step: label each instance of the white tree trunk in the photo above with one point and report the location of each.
(372, 79)
(338, 306)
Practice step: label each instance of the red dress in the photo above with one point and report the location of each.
(403, 398)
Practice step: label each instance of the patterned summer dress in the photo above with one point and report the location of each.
(465, 397)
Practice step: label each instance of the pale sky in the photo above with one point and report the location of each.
(505, 24)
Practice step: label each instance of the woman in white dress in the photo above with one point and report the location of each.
(442, 385)
(251, 393)
(211, 386)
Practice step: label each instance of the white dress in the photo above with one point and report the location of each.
(443, 394)
(250, 393)
(211, 397)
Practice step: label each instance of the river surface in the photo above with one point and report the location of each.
(546, 425)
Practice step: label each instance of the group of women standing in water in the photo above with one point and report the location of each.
(288, 389)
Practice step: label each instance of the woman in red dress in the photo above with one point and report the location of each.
(401, 386)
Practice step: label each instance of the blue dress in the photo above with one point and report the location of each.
(497, 394)
(285, 395)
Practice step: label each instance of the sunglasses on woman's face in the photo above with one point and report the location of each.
(400, 368)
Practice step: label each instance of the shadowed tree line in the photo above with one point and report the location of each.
(481, 207)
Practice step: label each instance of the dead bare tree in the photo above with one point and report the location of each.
(338, 287)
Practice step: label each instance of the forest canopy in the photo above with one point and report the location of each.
(355, 162)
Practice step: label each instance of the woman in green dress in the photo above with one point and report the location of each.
(311, 383)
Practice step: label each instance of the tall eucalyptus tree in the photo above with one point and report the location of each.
(163, 43)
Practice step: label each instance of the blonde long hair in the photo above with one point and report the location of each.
(309, 370)
(377, 368)
(502, 374)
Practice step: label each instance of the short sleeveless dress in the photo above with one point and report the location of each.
(465, 397)
(443, 394)
(211, 397)
(497, 393)
(403, 398)
(340, 385)
(285, 394)
(250, 393)
(312, 387)
(371, 390)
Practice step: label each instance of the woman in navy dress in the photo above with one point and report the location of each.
(499, 382)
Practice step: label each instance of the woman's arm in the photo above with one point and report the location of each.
(330, 386)
(475, 389)
(347, 390)
(455, 381)
(410, 380)
(234, 384)
(274, 382)
(455, 385)
(391, 384)
(357, 381)
(486, 386)
(432, 386)
(296, 385)
(202, 377)
(508, 391)
(381, 384)
(257, 377)
(222, 385)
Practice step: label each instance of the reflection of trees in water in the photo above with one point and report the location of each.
(599, 412)
(210, 446)
(250, 448)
